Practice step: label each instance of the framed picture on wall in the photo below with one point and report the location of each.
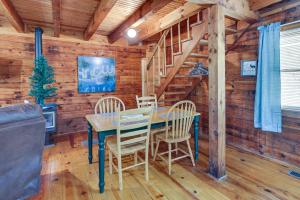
(248, 67)
(96, 74)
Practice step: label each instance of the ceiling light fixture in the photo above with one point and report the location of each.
(131, 33)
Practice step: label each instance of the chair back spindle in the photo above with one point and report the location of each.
(108, 105)
(180, 117)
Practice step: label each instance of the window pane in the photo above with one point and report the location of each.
(290, 68)
(290, 89)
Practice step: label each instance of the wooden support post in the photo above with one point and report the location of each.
(216, 48)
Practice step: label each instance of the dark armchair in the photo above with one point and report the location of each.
(22, 137)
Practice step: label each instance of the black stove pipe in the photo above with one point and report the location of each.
(38, 42)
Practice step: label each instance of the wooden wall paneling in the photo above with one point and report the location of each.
(62, 55)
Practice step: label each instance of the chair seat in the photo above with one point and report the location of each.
(158, 130)
(172, 140)
(128, 149)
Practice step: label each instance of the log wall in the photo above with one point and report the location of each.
(17, 55)
(240, 95)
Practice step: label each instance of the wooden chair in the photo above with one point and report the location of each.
(108, 105)
(150, 101)
(133, 129)
(147, 101)
(180, 116)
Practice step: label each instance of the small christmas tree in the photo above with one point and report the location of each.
(41, 81)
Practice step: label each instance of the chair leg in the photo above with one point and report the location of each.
(146, 165)
(110, 162)
(152, 144)
(190, 151)
(170, 157)
(156, 149)
(176, 147)
(120, 172)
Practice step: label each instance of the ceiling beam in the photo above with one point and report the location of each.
(12, 15)
(236, 9)
(56, 13)
(279, 7)
(101, 12)
(181, 13)
(259, 4)
(140, 15)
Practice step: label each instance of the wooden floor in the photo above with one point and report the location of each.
(66, 174)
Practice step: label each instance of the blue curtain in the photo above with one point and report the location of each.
(267, 111)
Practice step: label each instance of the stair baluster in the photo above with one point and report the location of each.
(179, 38)
(188, 28)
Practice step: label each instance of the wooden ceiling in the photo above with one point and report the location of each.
(112, 18)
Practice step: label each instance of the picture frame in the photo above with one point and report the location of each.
(96, 74)
(248, 67)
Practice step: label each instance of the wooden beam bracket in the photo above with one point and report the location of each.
(101, 12)
(12, 15)
(56, 13)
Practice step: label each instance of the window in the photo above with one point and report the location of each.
(290, 69)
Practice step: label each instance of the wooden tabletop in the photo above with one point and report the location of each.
(106, 122)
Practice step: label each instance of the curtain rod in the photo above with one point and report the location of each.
(290, 23)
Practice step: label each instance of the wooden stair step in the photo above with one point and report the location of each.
(174, 93)
(187, 76)
(181, 76)
(199, 55)
(171, 99)
(180, 85)
(196, 24)
(186, 40)
(177, 53)
(186, 66)
(189, 63)
(230, 30)
(203, 42)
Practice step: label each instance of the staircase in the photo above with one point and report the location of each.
(167, 67)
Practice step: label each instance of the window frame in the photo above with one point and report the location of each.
(291, 111)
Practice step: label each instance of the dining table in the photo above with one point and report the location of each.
(106, 125)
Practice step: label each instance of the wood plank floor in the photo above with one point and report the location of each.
(66, 174)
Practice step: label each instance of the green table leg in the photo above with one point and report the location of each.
(196, 133)
(101, 155)
(90, 143)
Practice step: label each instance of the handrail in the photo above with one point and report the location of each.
(156, 47)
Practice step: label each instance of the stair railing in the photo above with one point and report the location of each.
(156, 64)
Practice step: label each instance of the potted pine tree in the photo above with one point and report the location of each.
(41, 82)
